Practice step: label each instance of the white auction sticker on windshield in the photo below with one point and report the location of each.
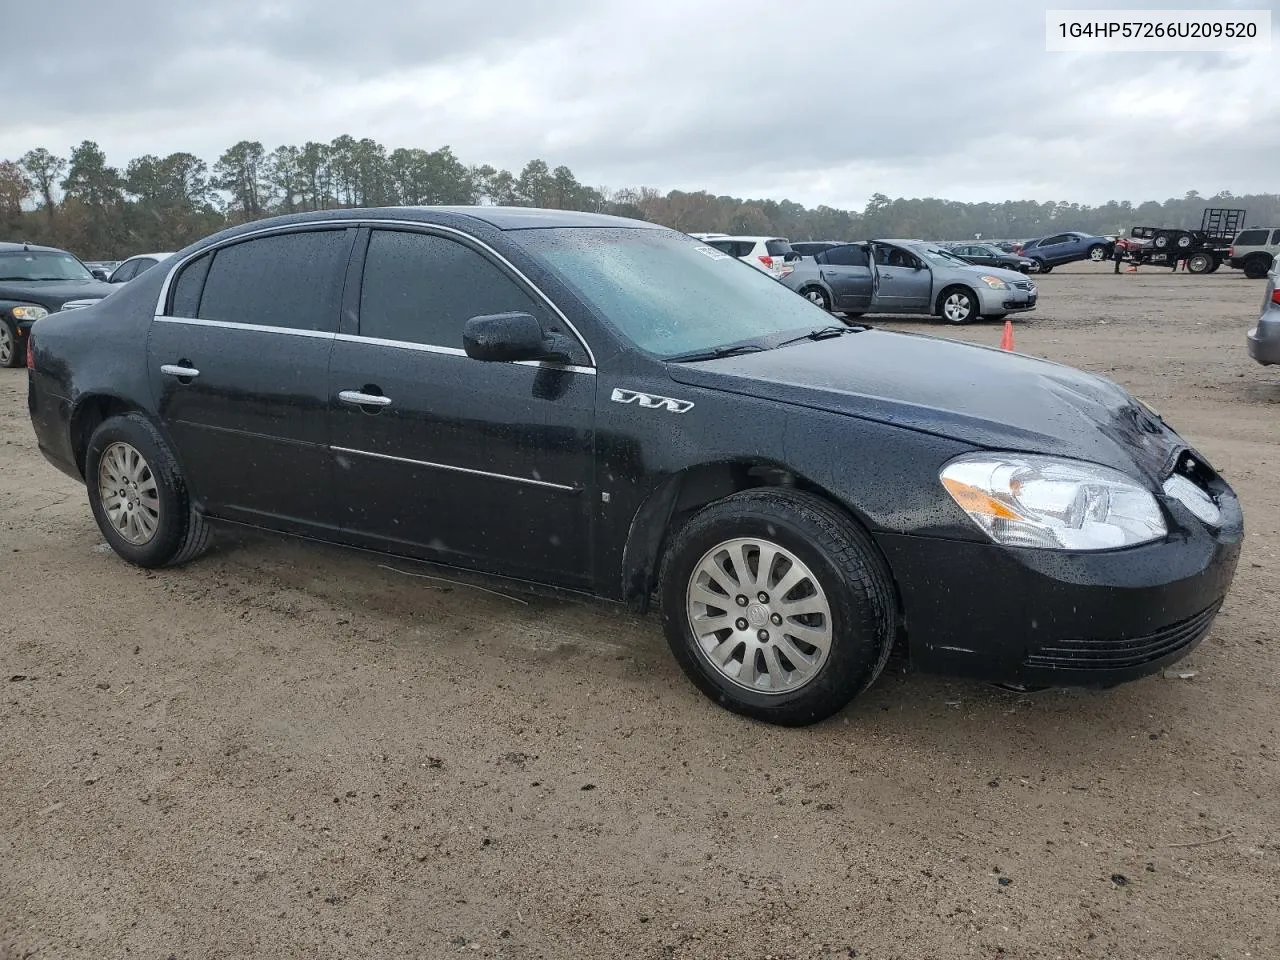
(712, 252)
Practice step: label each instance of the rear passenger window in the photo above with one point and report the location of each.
(724, 246)
(1275, 237)
(1251, 238)
(185, 299)
(421, 288)
(777, 248)
(291, 280)
(849, 256)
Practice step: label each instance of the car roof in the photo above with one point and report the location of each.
(737, 236)
(158, 256)
(511, 218)
(19, 247)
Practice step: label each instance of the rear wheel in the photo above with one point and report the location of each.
(1256, 267)
(138, 495)
(8, 344)
(1097, 253)
(777, 605)
(957, 305)
(818, 297)
(1199, 263)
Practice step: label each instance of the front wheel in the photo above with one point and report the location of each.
(138, 495)
(777, 605)
(1097, 253)
(8, 344)
(818, 297)
(1037, 266)
(958, 305)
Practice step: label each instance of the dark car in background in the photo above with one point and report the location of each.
(609, 408)
(1045, 253)
(36, 281)
(987, 255)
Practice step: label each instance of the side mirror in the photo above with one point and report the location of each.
(99, 273)
(503, 337)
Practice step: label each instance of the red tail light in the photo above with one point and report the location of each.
(31, 349)
(1231, 251)
(1275, 296)
(767, 261)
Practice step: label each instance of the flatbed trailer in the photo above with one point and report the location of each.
(1202, 250)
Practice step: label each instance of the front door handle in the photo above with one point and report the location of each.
(179, 371)
(358, 399)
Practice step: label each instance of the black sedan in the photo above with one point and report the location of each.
(988, 255)
(34, 282)
(613, 409)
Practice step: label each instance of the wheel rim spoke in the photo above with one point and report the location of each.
(769, 644)
(129, 493)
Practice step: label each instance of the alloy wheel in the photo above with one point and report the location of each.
(6, 345)
(759, 615)
(129, 493)
(957, 308)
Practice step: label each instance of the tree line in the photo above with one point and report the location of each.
(81, 203)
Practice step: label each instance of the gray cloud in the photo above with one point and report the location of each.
(822, 102)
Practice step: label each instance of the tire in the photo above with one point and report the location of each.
(1046, 267)
(164, 530)
(1037, 265)
(818, 297)
(1217, 262)
(1184, 241)
(9, 345)
(958, 305)
(1256, 267)
(1160, 242)
(1097, 253)
(836, 559)
(1200, 263)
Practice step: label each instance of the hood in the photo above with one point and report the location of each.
(1006, 274)
(986, 397)
(52, 294)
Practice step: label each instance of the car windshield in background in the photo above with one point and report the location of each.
(944, 258)
(668, 293)
(41, 265)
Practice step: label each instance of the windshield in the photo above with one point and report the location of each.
(668, 293)
(41, 265)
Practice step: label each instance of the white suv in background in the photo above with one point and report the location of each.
(773, 255)
(1254, 251)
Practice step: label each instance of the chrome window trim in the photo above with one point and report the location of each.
(454, 469)
(347, 224)
(456, 352)
(233, 325)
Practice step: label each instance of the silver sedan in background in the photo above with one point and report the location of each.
(909, 276)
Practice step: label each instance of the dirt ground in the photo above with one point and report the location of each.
(291, 751)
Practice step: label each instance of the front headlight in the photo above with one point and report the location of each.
(32, 312)
(1022, 500)
(995, 283)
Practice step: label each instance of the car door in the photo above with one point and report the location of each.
(239, 368)
(903, 283)
(435, 455)
(1054, 250)
(847, 271)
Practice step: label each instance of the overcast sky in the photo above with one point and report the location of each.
(819, 101)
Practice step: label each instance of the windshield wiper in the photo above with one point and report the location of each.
(825, 333)
(716, 354)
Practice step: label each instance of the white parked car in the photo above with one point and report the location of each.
(125, 271)
(773, 255)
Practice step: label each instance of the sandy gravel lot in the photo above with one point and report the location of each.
(289, 751)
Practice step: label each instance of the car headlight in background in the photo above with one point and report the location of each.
(32, 312)
(995, 283)
(1022, 500)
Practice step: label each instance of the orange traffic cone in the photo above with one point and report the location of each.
(1006, 342)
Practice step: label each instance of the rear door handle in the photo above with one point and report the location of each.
(358, 399)
(179, 371)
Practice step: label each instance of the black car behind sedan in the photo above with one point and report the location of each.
(987, 255)
(34, 282)
(613, 409)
